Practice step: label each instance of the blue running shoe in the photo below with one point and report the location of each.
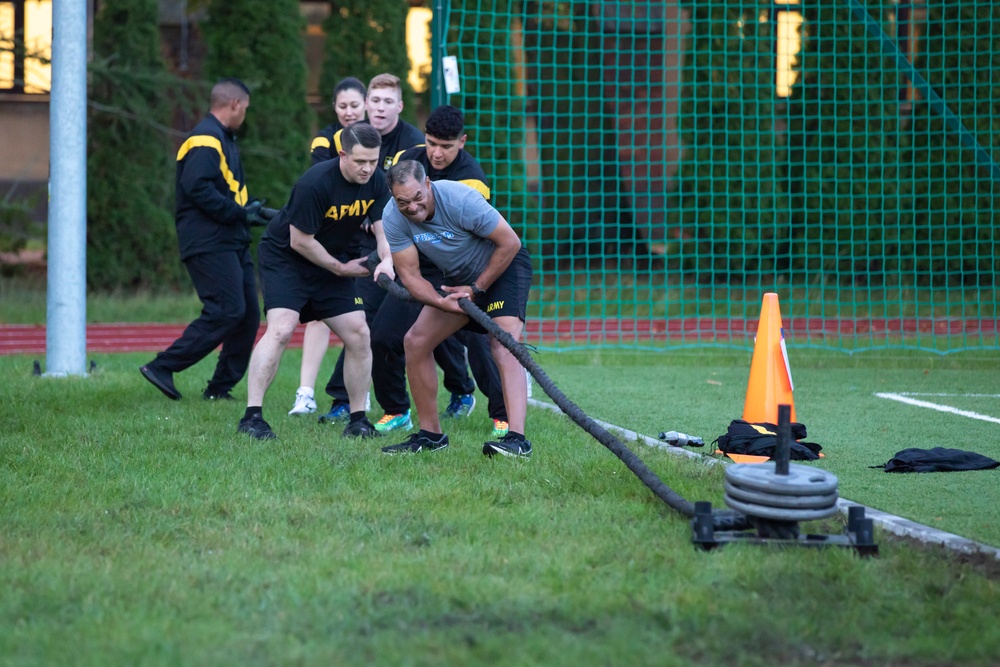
(461, 405)
(339, 412)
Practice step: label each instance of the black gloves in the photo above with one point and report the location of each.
(253, 213)
(257, 214)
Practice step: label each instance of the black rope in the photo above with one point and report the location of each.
(724, 520)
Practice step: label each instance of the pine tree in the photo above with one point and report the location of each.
(131, 241)
(261, 42)
(365, 38)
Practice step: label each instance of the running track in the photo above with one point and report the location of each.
(30, 338)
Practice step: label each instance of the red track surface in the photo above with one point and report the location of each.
(30, 339)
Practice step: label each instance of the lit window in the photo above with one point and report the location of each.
(6, 45)
(788, 42)
(26, 46)
(418, 31)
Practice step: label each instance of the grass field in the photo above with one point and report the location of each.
(699, 393)
(138, 530)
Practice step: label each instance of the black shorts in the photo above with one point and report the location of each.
(508, 295)
(312, 292)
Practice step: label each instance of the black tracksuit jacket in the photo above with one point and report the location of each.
(211, 192)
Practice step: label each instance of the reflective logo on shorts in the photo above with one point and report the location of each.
(358, 301)
(496, 305)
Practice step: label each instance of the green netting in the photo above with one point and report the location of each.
(670, 162)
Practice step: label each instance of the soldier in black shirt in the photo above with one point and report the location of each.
(213, 230)
(383, 103)
(349, 105)
(307, 274)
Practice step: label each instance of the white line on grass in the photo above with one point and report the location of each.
(937, 406)
(925, 393)
(890, 522)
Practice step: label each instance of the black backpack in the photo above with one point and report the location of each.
(937, 459)
(761, 439)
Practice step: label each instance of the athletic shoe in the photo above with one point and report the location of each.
(339, 412)
(416, 443)
(217, 396)
(162, 380)
(361, 429)
(305, 404)
(394, 423)
(509, 445)
(461, 405)
(256, 427)
(500, 429)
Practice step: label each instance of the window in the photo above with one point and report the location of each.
(788, 43)
(25, 46)
(418, 46)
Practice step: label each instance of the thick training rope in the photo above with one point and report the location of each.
(724, 520)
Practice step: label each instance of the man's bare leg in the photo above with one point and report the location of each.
(430, 329)
(266, 356)
(512, 378)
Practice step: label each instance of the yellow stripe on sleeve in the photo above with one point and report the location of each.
(400, 153)
(478, 186)
(204, 141)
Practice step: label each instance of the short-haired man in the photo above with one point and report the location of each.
(349, 106)
(213, 219)
(383, 104)
(482, 258)
(307, 275)
(444, 158)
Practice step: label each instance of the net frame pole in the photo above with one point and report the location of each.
(439, 21)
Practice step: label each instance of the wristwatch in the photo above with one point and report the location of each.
(477, 291)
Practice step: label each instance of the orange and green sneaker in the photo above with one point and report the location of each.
(500, 428)
(394, 423)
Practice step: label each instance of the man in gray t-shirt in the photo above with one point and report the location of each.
(482, 258)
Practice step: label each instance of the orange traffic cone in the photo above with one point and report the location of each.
(770, 375)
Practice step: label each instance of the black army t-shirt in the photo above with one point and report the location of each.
(325, 204)
(401, 137)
